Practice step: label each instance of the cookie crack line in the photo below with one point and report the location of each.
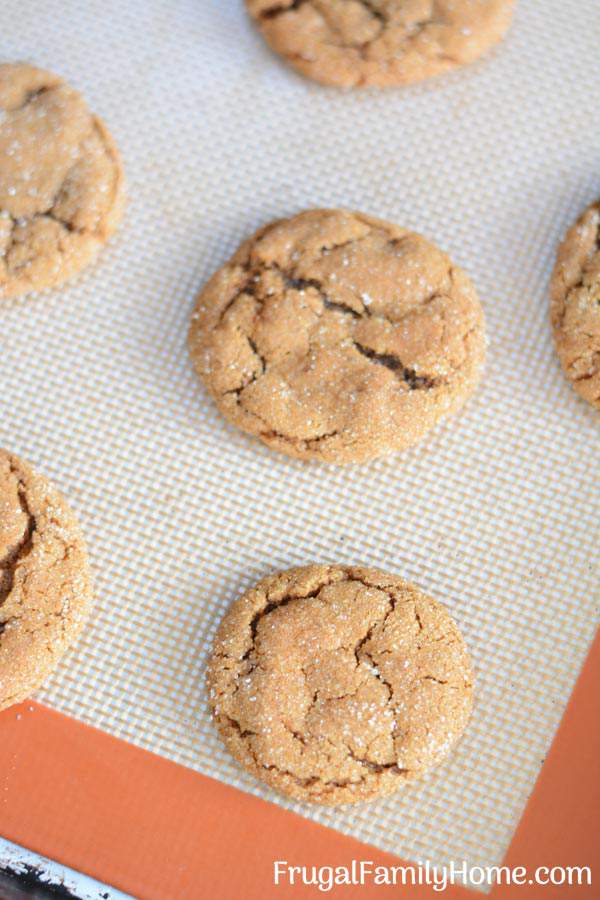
(303, 284)
(298, 442)
(377, 15)
(375, 671)
(306, 782)
(394, 768)
(272, 605)
(49, 212)
(313, 780)
(270, 433)
(358, 653)
(348, 575)
(409, 375)
(278, 604)
(30, 96)
(293, 282)
(9, 565)
(394, 364)
(300, 283)
(280, 8)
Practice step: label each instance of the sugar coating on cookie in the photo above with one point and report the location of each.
(575, 304)
(45, 585)
(61, 181)
(338, 337)
(356, 43)
(336, 684)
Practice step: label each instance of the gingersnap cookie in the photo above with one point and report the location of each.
(45, 585)
(362, 43)
(61, 181)
(575, 304)
(337, 684)
(339, 337)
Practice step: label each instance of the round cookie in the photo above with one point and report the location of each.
(575, 304)
(360, 43)
(61, 181)
(45, 586)
(338, 337)
(336, 684)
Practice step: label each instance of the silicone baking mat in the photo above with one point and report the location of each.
(496, 514)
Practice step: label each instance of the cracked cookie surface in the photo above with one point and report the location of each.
(336, 684)
(45, 585)
(339, 337)
(356, 43)
(61, 181)
(575, 304)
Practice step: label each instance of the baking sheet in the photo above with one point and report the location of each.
(496, 514)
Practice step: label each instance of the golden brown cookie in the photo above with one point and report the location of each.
(336, 684)
(61, 181)
(358, 43)
(45, 586)
(575, 306)
(338, 337)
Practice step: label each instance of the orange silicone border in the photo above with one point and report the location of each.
(160, 831)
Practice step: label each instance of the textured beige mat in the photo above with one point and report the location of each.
(497, 514)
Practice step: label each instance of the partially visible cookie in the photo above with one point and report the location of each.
(61, 181)
(338, 337)
(45, 586)
(337, 684)
(575, 304)
(361, 43)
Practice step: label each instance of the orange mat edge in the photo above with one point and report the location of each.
(158, 830)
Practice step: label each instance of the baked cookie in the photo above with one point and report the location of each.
(45, 586)
(575, 306)
(360, 43)
(336, 684)
(338, 337)
(61, 181)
